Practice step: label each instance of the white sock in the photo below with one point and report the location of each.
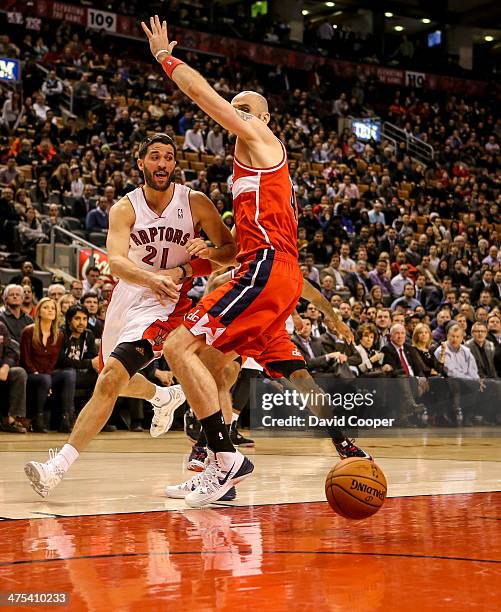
(69, 454)
(162, 395)
(234, 417)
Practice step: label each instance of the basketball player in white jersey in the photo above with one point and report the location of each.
(152, 236)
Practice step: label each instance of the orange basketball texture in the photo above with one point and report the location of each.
(355, 488)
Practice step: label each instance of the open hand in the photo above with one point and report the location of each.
(158, 38)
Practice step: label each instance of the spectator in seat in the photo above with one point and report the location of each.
(76, 288)
(440, 332)
(12, 314)
(399, 281)
(56, 292)
(407, 300)
(334, 271)
(315, 317)
(327, 286)
(64, 303)
(194, 139)
(27, 270)
(331, 344)
(216, 172)
(461, 369)
(92, 282)
(78, 349)
(379, 277)
(312, 351)
(12, 385)
(318, 248)
(85, 203)
(482, 350)
(487, 282)
(28, 305)
(401, 361)
(215, 141)
(494, 328)
(40, 347)
(97, 219)
(52, 89)
(9, 174)
(371, 358)
(94, 324)
(383, 325)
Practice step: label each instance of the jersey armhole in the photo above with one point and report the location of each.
(133, 208)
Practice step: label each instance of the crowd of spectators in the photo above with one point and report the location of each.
(393, 243)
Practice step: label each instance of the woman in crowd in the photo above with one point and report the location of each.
(64, 304)
(371, 357)
(40, 193)
(40, 347)
(421, 341)
(31, 231)
(60, 180)
(376, 295)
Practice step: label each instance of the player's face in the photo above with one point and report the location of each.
(158, 166)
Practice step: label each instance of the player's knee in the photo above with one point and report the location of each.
(111, 381)
(179, 344)
(229, 373)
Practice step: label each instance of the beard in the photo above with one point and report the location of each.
(151, 182)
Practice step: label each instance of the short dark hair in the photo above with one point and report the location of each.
(147, 142)
(92, 269)
(72, 311)
(89, 294)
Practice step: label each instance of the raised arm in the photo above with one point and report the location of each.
(192, 83)
(121, 220)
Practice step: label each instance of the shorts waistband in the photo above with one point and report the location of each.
(271, 254)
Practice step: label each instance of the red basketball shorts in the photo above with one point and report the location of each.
(247, 314)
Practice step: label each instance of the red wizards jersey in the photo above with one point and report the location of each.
(265, 209)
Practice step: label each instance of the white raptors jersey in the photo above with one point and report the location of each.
(156, 243)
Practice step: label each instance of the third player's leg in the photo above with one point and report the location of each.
(113, 379)
(182, 352)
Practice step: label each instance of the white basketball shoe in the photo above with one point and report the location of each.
(164, 412)
(223, 472)
(180, 491)
(46, 476)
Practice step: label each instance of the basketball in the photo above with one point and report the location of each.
(355, 488)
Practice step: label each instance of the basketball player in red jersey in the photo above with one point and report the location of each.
(246, 315)
(153, 229)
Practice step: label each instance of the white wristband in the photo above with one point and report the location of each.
(161, 51)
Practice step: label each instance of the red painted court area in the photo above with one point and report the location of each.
(417, 553)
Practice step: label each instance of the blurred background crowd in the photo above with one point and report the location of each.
(406, 250)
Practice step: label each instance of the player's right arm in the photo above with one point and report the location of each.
(121, 221)
(192, 83)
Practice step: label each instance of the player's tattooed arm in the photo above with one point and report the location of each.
(243, 115)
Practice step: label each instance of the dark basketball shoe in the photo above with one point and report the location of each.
(347, 449)
(196, 461)
(237, 439)
(192, 427)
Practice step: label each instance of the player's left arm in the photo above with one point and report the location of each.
(246, 126)
(207, 218)
(314, 296)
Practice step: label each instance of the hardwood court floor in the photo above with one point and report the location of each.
(109, 537)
